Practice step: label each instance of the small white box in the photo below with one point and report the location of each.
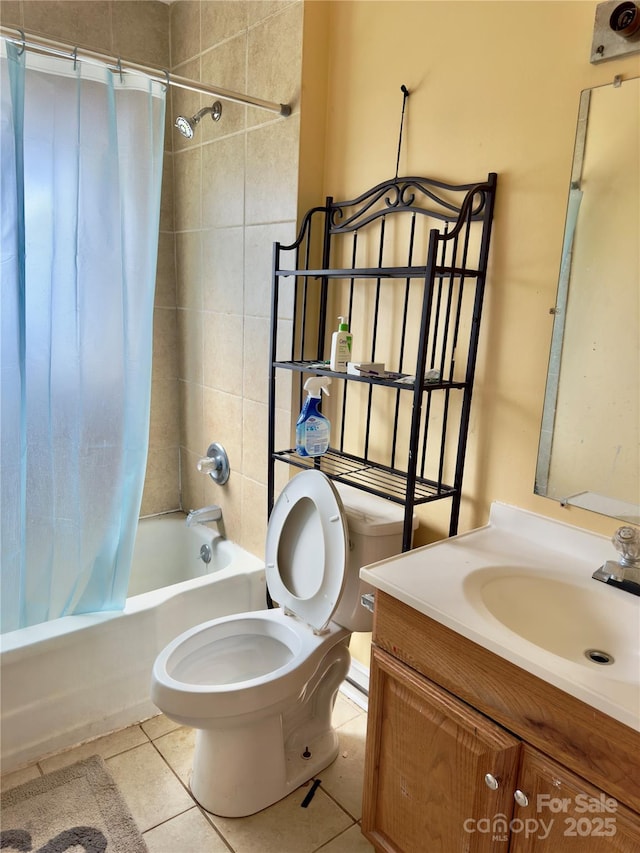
(365, 368)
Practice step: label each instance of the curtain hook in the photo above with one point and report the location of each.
(119, 68)
(168, 79)
(75, 58)
(24, 41)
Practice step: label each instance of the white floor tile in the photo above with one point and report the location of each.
(149, 787)
(286, 827)
(106, 747)
(351, 841)
(343, 779)
(189, 831)
(177, 750)
(158, 726)
(18, 777)
(153, 779)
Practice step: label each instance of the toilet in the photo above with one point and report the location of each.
(259, 687)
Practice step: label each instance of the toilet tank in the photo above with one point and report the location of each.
(375, 532)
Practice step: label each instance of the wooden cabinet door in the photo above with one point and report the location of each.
(566, 813)
(427, 756)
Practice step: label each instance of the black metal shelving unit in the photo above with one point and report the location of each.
(406, 263)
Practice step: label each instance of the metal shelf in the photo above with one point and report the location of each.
(405, 263)
(404, 382)
(379, 272)
(367, 476)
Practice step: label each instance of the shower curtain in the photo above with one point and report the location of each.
(80, 181)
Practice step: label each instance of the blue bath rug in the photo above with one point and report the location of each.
(75, 808)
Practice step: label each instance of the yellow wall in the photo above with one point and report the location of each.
(494, 87)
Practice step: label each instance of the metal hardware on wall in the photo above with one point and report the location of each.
(616, 30)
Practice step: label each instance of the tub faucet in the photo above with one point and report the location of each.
(625, 574)
(206, 515)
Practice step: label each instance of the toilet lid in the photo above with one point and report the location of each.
(306, 550)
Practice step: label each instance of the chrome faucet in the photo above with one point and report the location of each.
(625, 574)
(206, 515)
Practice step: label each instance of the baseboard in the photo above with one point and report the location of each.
(356, 685)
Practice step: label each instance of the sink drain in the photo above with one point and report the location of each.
(597, 656)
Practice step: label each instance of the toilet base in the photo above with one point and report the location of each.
(240, 770)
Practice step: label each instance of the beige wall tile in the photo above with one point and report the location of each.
(222, 270)
(165, 352)
(223, 182)
(221, 20)
(141, 31)
(164, 429)
(76, 22)
(11, 13)
(187, 178)
(167, 201)
(162, 479)
(256, 359)
(189, 270)
(223, 352)
(192, 436)
(186, 103)
(190, 346)
(192, 481)
(275, 48)
(166, 271)
(223, 423)
(272, 180)
(185, 30)
(253, 528)
(224, 66)
(254, 440)
(258, 254)
(258, 10)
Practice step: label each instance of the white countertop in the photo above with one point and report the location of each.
(444, 581)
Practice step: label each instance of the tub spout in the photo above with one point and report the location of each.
(205, 515)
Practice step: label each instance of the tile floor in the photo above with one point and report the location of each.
(151, 762)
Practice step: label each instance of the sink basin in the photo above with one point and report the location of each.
(521, 587)
(582, 622)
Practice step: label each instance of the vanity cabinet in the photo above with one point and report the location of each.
(567, 813)
(467, 753)
(405, 264)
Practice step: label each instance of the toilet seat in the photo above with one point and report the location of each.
(306, 549)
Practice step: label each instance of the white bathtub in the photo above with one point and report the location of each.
(75, 678)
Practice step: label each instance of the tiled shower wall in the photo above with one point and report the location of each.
(227, 195)
(235, 192)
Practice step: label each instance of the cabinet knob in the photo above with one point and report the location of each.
(492, 782)
(520, 797)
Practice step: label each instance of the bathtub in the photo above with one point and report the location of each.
(79, 677)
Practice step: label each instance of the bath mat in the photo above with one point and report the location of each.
(75, 808)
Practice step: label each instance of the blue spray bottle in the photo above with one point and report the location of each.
(312, 428)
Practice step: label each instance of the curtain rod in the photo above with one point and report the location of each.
(64, 50)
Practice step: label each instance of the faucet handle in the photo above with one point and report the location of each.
(215, 463)
(626, 540)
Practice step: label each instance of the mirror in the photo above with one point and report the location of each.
(589, 453)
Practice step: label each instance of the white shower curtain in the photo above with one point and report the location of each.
(80, 182)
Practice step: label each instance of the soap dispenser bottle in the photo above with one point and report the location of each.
(312, 428)
(341, 342)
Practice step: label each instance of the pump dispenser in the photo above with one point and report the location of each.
(341, 342)
(312, 428)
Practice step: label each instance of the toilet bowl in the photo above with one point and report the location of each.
(259, 687)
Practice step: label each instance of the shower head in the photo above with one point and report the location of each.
(187, 126)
